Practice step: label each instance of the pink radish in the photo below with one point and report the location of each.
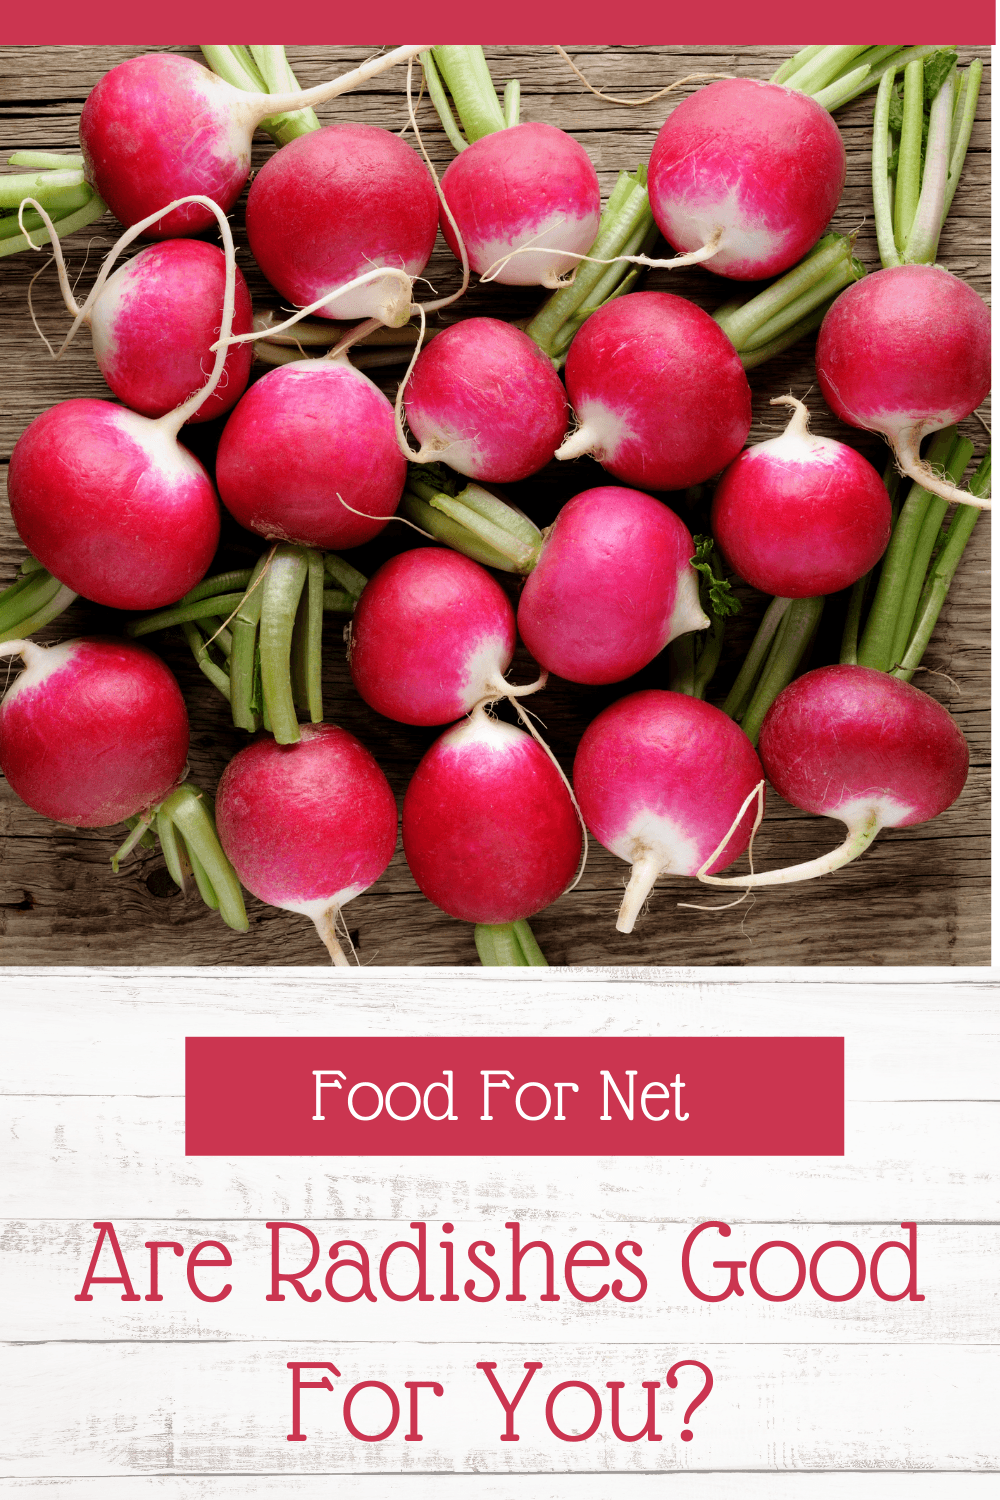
(160, 127)
(612, 586)
(431, 637)
(155, 322)
(489, 828)
(307, 447)
(307, 826)
(659, 391)
(800, 515)
(746, 175)
(336, 203)
(485, 399)
(93, 731)
(107, 500)
(851, 743)
(517, 188)
(905, 352)
(660, 778)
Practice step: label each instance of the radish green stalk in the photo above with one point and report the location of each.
(510, 944)
(263, 70)
(56, 182)
(31, 601)
(266, 624)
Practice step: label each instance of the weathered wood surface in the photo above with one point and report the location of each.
(918, 897)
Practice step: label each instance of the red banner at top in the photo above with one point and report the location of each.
(515, 1096)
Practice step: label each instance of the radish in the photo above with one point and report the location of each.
(613, 584)
(746, 176)
(483, 397)
(851, 743)
(431, 637)
(523, 186)
(512, 187)
(338, 202)
(307, 826)
(107, 500)
(489, 828)
(309, 455)
(659, 391)
(906, 352)
(160, 127)
(801, 515)
(93, 731)
(154, 323)
(661, 778)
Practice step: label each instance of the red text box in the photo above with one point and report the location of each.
(515, 1096)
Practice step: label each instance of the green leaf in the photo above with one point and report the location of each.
(936, 70)
(717, 595)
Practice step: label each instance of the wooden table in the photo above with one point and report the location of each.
(918, 897)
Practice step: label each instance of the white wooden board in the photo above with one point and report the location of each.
(184, 1398)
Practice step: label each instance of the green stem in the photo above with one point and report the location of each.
(41, 185)
(199, 647)
(910, 143)
(967, 100)
(243, 663)
(881, 184)
(31, 602)
(39, 160)
(439, 99)
(263, 70)
(821, 70)
(925, 230)
(512, 103)
(793, 65)
(796, 634)
(681, 657)
(307, 642)
(508, 945)
(876, 648)
(467, 76)
(191, 814)
(179, 614)
(753, 663)
(92, 209)
(282, 589)
(770, 308)
(941, 574)
(627, 218)
(707, 661)
(353, 582)
(472, 521)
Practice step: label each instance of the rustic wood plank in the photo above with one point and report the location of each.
(919, 897)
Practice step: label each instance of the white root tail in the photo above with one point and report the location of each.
(906, 447)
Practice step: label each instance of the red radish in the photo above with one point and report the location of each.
(307, 446)
(107, 500)
(749, 174)
(855, 744)
(801, 515)
(660, 778)
(93, 731)
(336, 203)
(612, 586)
(905, 352)
(161, 127)
(659, 391)
(431, 637)
(307, 826)
(484, 398)
(155, 322)
(489, 828)
(528, 185)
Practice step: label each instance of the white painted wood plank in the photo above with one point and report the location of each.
(852, 1485)
(81, 1158)
(111, 1032)
(226, 1408)
(44, 1263)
